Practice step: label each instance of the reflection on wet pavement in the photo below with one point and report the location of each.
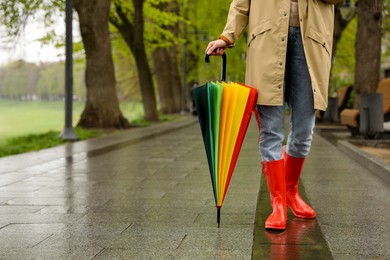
(302, 238)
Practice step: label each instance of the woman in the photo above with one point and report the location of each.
(288, 60)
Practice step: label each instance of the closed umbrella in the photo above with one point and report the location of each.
(224, 111)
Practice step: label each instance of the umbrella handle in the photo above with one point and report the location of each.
(223, 70)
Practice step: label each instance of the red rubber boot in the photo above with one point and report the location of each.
(293, 168)
(274, 173)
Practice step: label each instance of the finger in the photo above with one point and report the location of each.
(211, 50)
(216, 53)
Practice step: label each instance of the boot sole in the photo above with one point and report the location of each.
(301, 216)
(275, 227)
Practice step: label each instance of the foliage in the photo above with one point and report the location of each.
(204, 20)
(207, 19)
(132, 110)
(127, 82)
(22, 80)
(35, 142)
(157, 23)
(386, 17)
(344, 61)
(31, 142)
(386, 33)
(14, 81)
(14, 14)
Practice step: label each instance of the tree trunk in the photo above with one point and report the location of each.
(368, 47)
(145, 79)
(132, 33)
(175, 75)
(165, 66)
(173, 51)
(168, 79)
(162, 72)
(102, 105)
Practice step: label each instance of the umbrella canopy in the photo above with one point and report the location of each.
(224, 112)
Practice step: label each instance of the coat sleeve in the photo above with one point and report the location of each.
(237, 19)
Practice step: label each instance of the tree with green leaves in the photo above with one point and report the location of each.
(102, 106)
(162, 34)
(18, 80)
(160, 31)
(129, 20)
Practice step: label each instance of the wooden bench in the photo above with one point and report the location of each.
(385, 89)
(343, 94)
(350, 117)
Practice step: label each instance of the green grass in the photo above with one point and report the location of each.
(23, 117)
(34, 142)
(29, 126)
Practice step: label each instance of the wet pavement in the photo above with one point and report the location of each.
(146, 194)
(302, 239)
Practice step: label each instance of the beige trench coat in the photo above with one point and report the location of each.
(268, 22)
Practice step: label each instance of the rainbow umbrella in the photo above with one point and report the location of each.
(224, 111)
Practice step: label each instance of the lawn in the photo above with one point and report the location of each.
(25, 117)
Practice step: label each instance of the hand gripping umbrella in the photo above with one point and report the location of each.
(224, 111)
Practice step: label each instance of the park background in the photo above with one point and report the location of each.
(135, 62)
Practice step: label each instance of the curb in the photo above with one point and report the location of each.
(380, 168)
(90, 147)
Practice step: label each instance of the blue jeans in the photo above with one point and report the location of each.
(299, 97)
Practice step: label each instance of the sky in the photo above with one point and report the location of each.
(29, 49)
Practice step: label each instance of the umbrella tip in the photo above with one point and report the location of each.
(218, 216)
